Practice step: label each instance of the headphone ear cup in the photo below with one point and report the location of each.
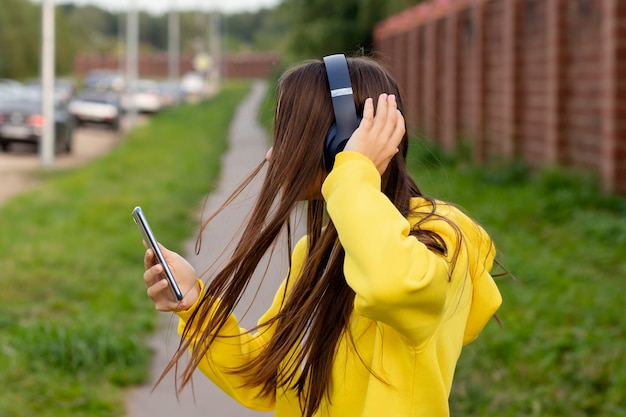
(330, 147)
(333, 145)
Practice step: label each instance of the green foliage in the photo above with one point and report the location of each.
(20, 37)
(74, 316)
(263, 30)
(560, 349)
(94, 29)
(98, 30)
(322, 27)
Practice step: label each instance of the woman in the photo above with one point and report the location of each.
(380, 295)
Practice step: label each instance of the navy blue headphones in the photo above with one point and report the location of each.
(346, 119)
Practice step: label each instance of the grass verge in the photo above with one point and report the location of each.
(560, 351)
(73, 311)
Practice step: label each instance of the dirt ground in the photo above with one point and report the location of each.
(18, 165)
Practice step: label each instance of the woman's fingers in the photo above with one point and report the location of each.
(389, 123)
(157, 290)
(368, 114)
(158, 287)
(153, 274)
(381, 109)
(380, 131)
(148, 259)
(399, 129)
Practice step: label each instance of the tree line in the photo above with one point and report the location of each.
(294, 28)
(322, 27)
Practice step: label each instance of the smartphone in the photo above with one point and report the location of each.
(148, 236)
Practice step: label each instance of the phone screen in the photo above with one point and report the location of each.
(148, 236)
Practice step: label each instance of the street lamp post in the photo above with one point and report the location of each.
(47, 144)
(215, 46)
(173, 27)
(132, 61)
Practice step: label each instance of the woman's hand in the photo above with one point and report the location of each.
(378, 136)
(158, 286)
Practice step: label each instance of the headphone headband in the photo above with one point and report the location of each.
(346, 120)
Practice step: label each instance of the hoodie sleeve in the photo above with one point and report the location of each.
(486, 298)
(396, 278)
(236, 346)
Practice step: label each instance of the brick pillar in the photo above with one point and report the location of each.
(555, 143)
(430, 80)
(449, 128)
(477, 68)
(509, 84)
(398, 54)
(613, 146)
(412, 86)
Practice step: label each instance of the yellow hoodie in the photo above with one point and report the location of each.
(412, 311)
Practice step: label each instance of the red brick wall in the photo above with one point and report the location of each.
(534, 79)
(257, 65)
(583, 76)
(495, 78)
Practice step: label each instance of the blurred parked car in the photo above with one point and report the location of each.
(8, 88)
(105, 80)
(100, 107)
(144, 96)
(192, 84)
(21, 120)
(171, 93)
(64, 88)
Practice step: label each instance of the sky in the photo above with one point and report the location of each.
(161, 6)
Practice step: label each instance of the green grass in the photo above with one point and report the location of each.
(561, 349)
(74, 316)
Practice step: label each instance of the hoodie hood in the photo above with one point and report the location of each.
(480, 251)
(486, 298)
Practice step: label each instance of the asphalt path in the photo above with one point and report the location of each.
(248, 143)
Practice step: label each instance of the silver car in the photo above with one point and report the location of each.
(97, 107)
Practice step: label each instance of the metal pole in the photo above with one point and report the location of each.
(223, 47)
(173, 42)
(215, 48)
(132, 61)
(120, 42)
(47, 144)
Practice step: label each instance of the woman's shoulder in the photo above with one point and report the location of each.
(444, 217)
(421, 207)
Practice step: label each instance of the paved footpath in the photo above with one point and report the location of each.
(248, 145)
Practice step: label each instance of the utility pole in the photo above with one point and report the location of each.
(132, 61)
(173, 27)
(215, 46)
(47, 144)
(120, 42)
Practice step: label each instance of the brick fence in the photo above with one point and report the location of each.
(540, 80)
(249, 65)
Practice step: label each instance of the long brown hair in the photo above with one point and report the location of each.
(315, 314)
